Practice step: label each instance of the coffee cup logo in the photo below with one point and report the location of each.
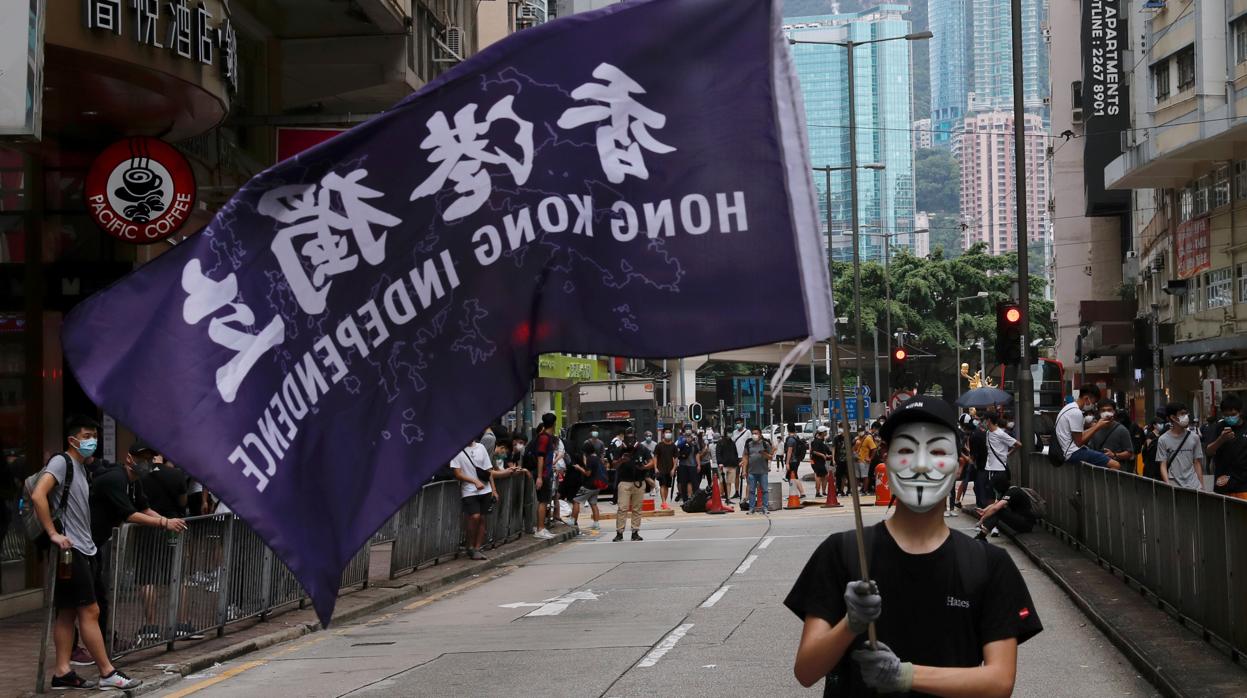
(140, 190)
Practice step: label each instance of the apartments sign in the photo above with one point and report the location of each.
(1105, 105)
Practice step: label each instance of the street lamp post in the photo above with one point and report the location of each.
(849, 47)
(957, 323)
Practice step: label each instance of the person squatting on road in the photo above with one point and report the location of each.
(756, 461)
(633, 465)
(949, 611)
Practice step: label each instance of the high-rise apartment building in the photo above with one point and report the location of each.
(884, 120)
(950, 67)
(991, 57)
(922, 134)
(988, 181)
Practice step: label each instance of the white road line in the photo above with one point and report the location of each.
(665, 646)
(744, 566)
(766, 542)
(714, 598)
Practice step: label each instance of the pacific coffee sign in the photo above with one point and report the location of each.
(140, 190)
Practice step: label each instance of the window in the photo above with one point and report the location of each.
(1239, 28)
(1186, 68)
(1221, 186)
(1194, 295)
(1240, 180)
(1160, 79)
(1218, 287)
(1242, 283)
(1185, 203)
(1202, 187)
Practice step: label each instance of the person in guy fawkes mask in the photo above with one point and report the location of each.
(956, 608)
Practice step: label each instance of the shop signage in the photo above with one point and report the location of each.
(1193, 242)
(140, 190)
(566, 367)
(176, 26)
(21, 67)
(292, 141)
(1105, 101)
(619, 415)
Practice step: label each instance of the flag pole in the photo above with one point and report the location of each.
(851, 459)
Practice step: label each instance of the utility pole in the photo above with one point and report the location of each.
(1025, 397)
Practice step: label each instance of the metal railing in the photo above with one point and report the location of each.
(429, 527)
(1188, 548)
(167, 586)
(13, 543)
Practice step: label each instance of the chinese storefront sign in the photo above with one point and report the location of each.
(1193, 251)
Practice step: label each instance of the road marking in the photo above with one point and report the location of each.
(552, 607)
(665, 646)
(224, 676)
(744, 566)
(714, 598)
(456, 589)
(766, 542)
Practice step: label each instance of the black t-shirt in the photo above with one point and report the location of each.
(821, 446)
(978, 448)
(842, 456)
(1231, 460)
(164, 486)
(632, 465)
(1019, 501)
(665, 452)
(927, 618)
(113, 499)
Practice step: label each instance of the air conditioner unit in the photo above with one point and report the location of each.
(454, 40)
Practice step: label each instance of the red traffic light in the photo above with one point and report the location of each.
(900, 355)
(1013, 315)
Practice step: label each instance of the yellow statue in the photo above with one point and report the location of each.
(976, 380)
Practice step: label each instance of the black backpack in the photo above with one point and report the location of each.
(971, 558)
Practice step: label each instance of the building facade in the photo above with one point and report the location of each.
(884, 120)
(951, 67)
(985, 151)
(922, 134)
(229, 88)
(991, 57)
(1185, 164)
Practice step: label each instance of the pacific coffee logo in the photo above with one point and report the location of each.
(140, 190)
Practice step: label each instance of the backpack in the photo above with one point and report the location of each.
(1039, 506)
(971, 556)
(30, 520)
(799, 449)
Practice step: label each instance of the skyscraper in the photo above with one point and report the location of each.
(988, 182)
(884, 120)
(991, 51)
(950, 67)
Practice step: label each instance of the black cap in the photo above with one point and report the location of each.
(141, 446)
(921, 408)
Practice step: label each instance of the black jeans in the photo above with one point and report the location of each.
(1018, 523)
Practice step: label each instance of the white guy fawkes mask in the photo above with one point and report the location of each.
(922, 464)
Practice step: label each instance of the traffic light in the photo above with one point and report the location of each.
(900, 356)
(1008, 333)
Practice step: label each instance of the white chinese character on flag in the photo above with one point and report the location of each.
(626, 130)
(464, 148)
(314, 216)
(205, 297)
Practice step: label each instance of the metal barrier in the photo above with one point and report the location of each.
(1188, 548)
(13, 542)
(167, 586)
(429, 527)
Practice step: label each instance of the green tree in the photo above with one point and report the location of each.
(938, 179)
(923, 304)
(945, 234)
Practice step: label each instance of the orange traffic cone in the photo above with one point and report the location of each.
(883, 495)
(832, 501)
(716, 505)
(794, 500)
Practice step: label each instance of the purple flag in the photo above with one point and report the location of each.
(620, 182)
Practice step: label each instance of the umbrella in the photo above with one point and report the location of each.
(984, 397)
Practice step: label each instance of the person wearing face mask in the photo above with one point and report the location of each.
(648, 442)
(64, 481)
(728, 457)
(756, 459)
(664, 454)
(949, 612)
(1179, 452)
(117, 497)
(1074, 430)
(1113, 440)
(1228, 450)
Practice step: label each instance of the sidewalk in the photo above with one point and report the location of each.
(157, 668)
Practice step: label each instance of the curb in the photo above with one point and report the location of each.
(1138, 658)
(176, 672)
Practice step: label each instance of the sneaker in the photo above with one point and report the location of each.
(186, 631)
(637, 536)
(949, 514)
(476, 554)
(70, 680)
(618, 537)
(119, 681)
(666, 506)
(543, 534)
(596, 526)
(81, 657)
(995, 532)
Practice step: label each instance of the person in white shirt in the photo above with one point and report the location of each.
(1073, 430)
(1000, 445)
(473, 468)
